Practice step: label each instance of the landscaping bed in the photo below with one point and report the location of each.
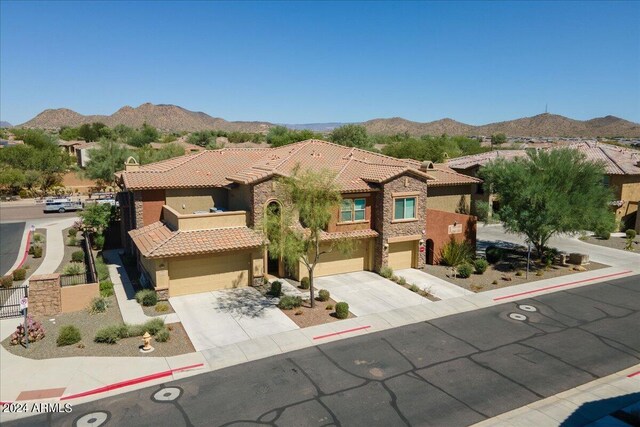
(615, 242)
(88, 325)
(153, 310)
(31, 264)
(70, 249)
(305, 316)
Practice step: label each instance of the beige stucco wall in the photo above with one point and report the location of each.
(150, 266)
(627, 189)
(240, 198)
(454, 198)
(196, 199)
(78, 297)
(202, 221)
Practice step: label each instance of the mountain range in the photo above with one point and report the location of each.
(175, 118)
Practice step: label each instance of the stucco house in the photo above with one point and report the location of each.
(622, 169)
(194, 221)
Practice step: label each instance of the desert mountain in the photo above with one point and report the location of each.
(5, 125)
(161, 116)
(400, 125)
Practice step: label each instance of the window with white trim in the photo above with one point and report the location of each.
(353, 210)
(404, 208)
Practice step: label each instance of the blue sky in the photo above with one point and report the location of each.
(476, 62)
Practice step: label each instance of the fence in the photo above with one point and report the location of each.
(89, 275)
(10, 301)
(75, 279)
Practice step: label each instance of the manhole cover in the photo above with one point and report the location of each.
(526, 307)
(93, 419)
(517, 316)
(167, 394)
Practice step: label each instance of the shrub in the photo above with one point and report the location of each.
(38, 238)
(386, 272)
(414, 288)
(276, 289)
(631, 233)
(289, 302)
(19, 274)
(162, 307)
(37, 251)
(603, 234)
(401, 281)
(454, 253)
(73, 269)
(98, 305)
(102, 269)
(77, 256)
(111, 334)
(147, 297)
(465, 270)
(72, 232)
(304, 283)
(26, 266)
(323, 295)
(494, 254)
(31, 250)
(6, 281)
(342, 310)
(98, 242)
(153, 326)
(106, 288)
(480, 265)
(539, 273)
(35, 332)
(519, 273)
(162, 335)
(495, 282)
(72, 241)
(329, 307)
(68, 335)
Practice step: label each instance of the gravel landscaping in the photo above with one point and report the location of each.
(31, 264)
(318, 315)
(151, 311)
(68, 250)
(88, 325)
(615, 242)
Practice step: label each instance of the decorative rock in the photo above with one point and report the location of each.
(579, 268)
(578, 259)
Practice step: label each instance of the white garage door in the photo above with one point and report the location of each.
(337, 263)
(208, 273)
(401, 254)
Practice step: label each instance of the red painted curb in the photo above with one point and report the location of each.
(26, 250)
(635, 374)
(561, 285)
(341, 332)
(132, 381)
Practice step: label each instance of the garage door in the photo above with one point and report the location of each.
(208, 273)
(337, 263)
(401, 254)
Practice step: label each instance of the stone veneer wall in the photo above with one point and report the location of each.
(262, 192)
(45, 295)
(137, 202)
(383, 217)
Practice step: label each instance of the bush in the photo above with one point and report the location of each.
(106, 288)
(465, 270)
(480, 265)
(147, 297)
(329, 307)
(386, 272)
(98, 242)
(37, 251)
(77, 256)
(38, 238)
(6, 281)
(153, 326)
(19, 274)
(414, 288)
(73, 232)
(276, 289)
(26, 266)
(342, 310)
(73, 269)
(162, 307)
(162, 335)
(289, 302)
(35, 332)
(98, 305)
(305, 283)
(68, 335)
(111, 334)
(454, 253)
(494, 254)
(323, 295)
(102, 269)
(72, 241)
(603, 234)
(631, 234)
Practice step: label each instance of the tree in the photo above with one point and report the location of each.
(143, 136)
(314, 196)
(351, 136)
(106, 160)
(96, 217)
(280, 135)
(550, 192)
(13, 179)
(498, 138)
(146, 154)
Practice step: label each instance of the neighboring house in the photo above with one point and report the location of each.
(622, 168)
(70, 146)
(10, 142)
(194, 221)
(82, 152)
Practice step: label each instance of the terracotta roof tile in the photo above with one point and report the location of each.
(355, 234)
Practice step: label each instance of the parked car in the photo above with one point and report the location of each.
(62, 205)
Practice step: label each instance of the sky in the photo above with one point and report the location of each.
(306, 62)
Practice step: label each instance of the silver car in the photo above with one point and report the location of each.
(62, 205)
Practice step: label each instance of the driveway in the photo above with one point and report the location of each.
(218, 318)
(367, 292)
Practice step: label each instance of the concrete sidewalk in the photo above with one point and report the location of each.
(432, 284)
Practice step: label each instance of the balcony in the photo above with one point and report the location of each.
(204, 220)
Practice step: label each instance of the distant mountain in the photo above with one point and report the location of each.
(161, 116)
(5, 125)
(174, 118)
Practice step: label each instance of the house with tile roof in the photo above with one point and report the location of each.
(194, 221)
(622, 175)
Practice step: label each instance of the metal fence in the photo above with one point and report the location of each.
(10, 301)
(89, 275)
(75, 279)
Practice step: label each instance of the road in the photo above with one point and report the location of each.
(10, 238)
(453, 371)
(24, 212)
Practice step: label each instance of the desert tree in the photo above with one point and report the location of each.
(106, 160)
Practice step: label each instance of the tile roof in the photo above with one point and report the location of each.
(482, 159)
(355, 234)
(355, 169)
(444, 175)
(158, 241)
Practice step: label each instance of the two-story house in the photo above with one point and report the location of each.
(194, 221)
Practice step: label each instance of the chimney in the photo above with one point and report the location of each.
(131, 165)
(426, 165)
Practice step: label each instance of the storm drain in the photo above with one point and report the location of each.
(517, 316)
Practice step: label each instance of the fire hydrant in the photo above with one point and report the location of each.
(146, 339)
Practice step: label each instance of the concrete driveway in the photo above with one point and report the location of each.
(367, 292)
(218, 318)
(432, 284)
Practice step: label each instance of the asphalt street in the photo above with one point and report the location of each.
(10, 238)
(451, 371)
(24, 212)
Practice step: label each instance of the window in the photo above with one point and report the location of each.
(405, 208)
(353, 210)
